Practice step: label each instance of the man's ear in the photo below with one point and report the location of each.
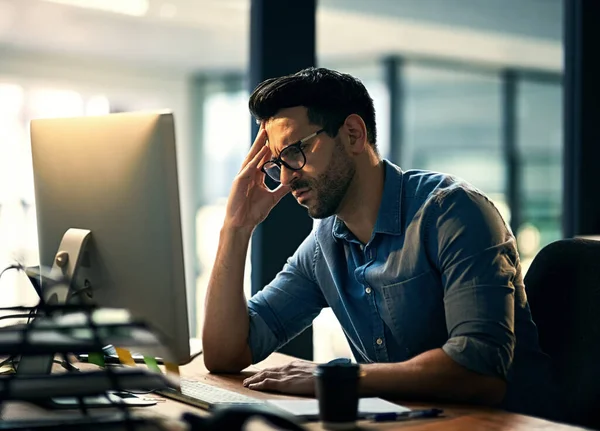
(357, 133)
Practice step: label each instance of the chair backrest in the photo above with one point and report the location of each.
(563, 289)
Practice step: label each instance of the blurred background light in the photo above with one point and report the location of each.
(97, 105)
(126, 7)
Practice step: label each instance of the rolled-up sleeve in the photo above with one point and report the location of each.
(478, 262)
(287, 305)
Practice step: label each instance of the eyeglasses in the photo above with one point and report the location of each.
(292, 157)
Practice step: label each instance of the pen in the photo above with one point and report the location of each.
(412, 414)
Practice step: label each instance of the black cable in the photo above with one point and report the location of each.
(25, 339)
(34, 282)
(78, 292)
(12, 359)
(15, 316)
(13, 266)
(32, 310)
(32, 313)
(19, 308)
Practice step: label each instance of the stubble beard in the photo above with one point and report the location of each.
(330, 188)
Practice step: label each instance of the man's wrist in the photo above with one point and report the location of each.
(236, 232)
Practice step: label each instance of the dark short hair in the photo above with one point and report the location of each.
(329, 97)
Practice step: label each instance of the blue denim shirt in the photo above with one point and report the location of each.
(441, 270)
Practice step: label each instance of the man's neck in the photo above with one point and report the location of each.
(359, 212)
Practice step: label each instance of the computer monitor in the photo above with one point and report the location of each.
(108, 214)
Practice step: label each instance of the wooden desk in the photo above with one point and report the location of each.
(456, 418)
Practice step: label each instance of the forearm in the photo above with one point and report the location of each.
(431, 375)
(226, 325)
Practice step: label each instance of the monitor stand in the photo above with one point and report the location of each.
(66, 266)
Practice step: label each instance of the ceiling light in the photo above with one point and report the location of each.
(126, 7)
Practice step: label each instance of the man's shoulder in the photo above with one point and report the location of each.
(436, 191)
(424, 191)
(423, 184)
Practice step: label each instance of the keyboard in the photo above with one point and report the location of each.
(207, 396)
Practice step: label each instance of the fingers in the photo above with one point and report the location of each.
(280, 192)
(295, 378)
(262, 375)
(267, 156)
(268, 384)
(257, 146)
(253, 164)
(293, 367)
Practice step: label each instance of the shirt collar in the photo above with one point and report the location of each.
(389, 215)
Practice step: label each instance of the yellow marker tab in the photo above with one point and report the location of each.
(173, 369)
(151, 363)
(96, 358)
(125, 356)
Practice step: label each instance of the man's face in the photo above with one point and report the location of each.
(323, 182)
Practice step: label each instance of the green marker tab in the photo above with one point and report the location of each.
(151, 363)
(96, 359)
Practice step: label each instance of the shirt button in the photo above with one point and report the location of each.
(379, 341)
(368, 290)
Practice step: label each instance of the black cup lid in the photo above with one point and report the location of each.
(337, 371)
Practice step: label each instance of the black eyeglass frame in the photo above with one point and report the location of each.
(278, 161)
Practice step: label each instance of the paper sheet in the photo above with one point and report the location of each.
(309, 409)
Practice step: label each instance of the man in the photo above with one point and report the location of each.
(419, 267)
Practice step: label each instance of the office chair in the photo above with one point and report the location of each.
(563, 289)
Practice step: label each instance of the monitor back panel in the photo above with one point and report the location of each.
(116, 175)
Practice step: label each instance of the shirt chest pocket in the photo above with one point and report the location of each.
(415, 309)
